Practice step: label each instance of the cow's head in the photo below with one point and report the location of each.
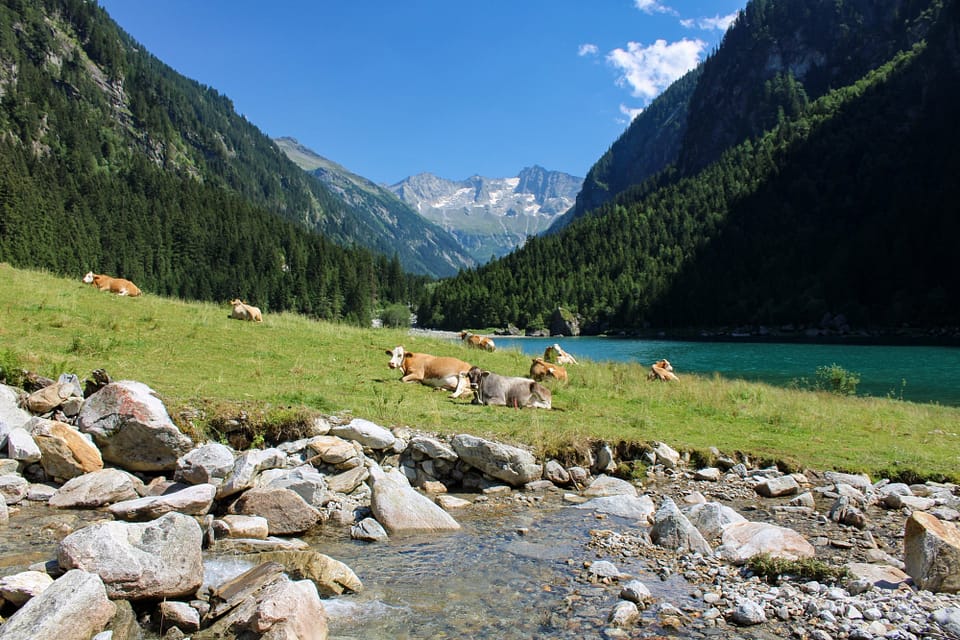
(540, 396)
(664, 364)
(396, 357)
(236, 301)
(88, 278)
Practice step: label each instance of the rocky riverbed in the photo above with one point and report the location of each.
(107, 508)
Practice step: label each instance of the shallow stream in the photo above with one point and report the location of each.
(512, 571)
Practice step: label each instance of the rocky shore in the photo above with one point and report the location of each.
(134, 506)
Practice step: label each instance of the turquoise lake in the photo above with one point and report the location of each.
(913, 373)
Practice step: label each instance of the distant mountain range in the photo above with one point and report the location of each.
(491, 216)
(423, 247)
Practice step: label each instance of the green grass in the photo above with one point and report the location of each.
(273, 376)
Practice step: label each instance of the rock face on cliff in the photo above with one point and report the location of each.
(491, 216)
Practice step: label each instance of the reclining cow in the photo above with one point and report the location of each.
(540, 369)
(554, 353)
(118, 286)
(434, 371)
(662, 370)
(243, 311)
(478, 342)
(493, 389)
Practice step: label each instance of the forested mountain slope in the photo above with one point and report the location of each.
(111, 161)
(774, 59)
(849, 207)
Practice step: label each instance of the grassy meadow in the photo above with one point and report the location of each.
(210, 369)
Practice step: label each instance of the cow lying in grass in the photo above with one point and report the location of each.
(493, 389)
(118, 286)
(242, 311)
(478, 342)
(434, 371)
(540, 369)
(662, 370)
(554, 353)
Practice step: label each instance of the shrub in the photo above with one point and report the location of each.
(396, 316)
(771, 569)
(11, 369)
(836, 379)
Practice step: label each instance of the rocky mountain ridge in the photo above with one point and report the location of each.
(491, 216)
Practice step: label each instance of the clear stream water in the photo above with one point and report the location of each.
(913, 373)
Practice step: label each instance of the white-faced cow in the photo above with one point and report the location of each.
(243, 311)
(434, 371)
(554, 353)
(662, 370)
(541, 369)
(118, 286)
(493, 389)
(478, 342)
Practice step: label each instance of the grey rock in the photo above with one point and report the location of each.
(97, 489)
(367, 433)
(399, 508)
(207, 464)
(605, 485)
(132, 428)
(513, 465)
(74, 607)
(672, 530)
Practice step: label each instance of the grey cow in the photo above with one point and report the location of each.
(494, 389)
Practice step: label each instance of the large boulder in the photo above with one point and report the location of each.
(65, 453)
(207, 464)
(931, 552)
(20, 587)
(743, 540)
(368, 434)
(11, 415)
(13, 488)
(21, 447)
(332, 577)
(400, 508)
(248, 464)
(264, 603)
(604, 485)
(195, 500)
(97, 489)
(672, 530)
(626, 506)
(65, 391)
(711, 518)
(287, 513)
(74, 607)
(132, 428)
(136, 561)
(513, 465)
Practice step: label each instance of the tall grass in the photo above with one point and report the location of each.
(209, 368)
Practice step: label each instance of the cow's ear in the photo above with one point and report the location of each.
(484, 374)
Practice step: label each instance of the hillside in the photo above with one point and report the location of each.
(423, 247)
(491, 216)
(112, 161)
(775, 59)
(840, 210)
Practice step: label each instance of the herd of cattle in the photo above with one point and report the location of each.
(448, 373)
(489, 388)
(122, 287)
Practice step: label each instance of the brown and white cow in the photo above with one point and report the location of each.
(662, 370)
(493, 389)
(554, 353)
(118, 286)
(434, 371)
(541, 369)
(243, 311)
(478, 342)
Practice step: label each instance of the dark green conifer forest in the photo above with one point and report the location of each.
(842, 204)
(112, 162)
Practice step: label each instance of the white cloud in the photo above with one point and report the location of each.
(650, 70)
(652, 6)
(721, 23)
(630, 112)
(587, 50)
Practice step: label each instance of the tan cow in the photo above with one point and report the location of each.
(541, 369)
(478, 342)
(118, 286)
(434, 371)
(554, 353)
(662, 370)
(242, 311)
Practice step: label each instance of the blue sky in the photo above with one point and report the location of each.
(392, 89)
